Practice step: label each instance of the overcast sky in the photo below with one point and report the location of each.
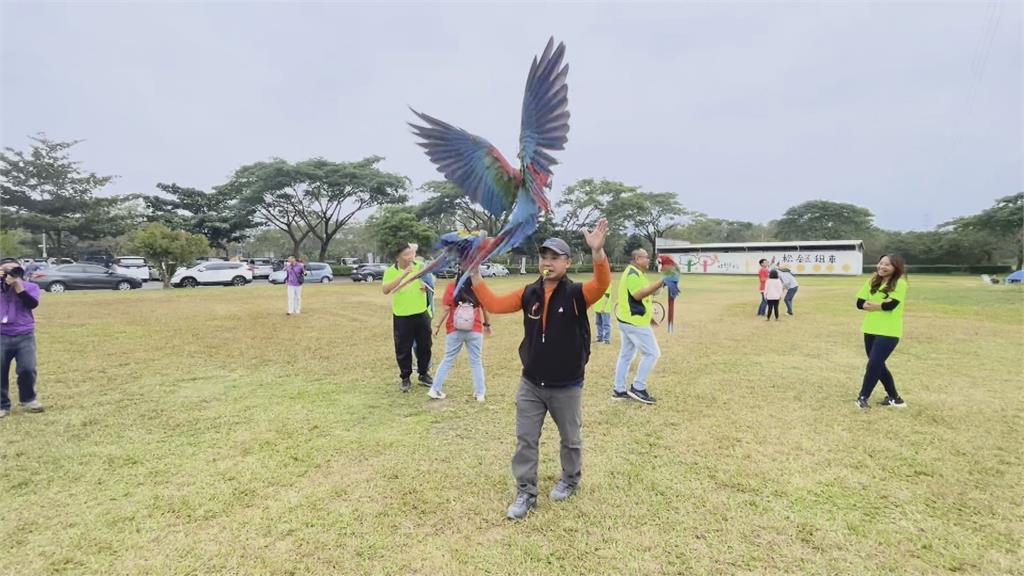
(912, 110)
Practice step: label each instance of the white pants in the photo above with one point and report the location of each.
(294, 299)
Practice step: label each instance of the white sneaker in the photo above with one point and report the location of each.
(33, 406)
(4, 413)
(436, 395)
(479, 398)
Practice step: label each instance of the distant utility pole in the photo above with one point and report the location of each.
(43, 245)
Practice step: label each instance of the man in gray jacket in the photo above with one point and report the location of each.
(789, 284)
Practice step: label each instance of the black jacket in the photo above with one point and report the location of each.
(557, 354)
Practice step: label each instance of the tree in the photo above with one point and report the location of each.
(650, 214)
(315, 197)
(16, 242)
(272, 192)
(627, 208)
(168, 248)
(46, 192)
(337, 191)
(447, 208)
(396, 226)
(217, 215)
(824, 220)
(633, 242)
(702, 229)
(354, 240)
(586, 200)
(1004, 221)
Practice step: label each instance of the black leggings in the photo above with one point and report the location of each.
(878, 348)
(772, 305)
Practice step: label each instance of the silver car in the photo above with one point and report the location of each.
(316, 272)
(261, 267)
(133, 266)
(490, 269)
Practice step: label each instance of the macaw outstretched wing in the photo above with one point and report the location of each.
(472, 163)
(545, 123)
(452, 248)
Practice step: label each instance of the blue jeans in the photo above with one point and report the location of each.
(636, 338)
(762, 306)
(474, 342)
(604, 326)
(788, 299)
(21, 350)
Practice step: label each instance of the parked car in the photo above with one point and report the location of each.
(449, 272)
(261, 267)
(34, 266)
(353, 262)
(132, 266)
(213, 273)
(315, 272)
(368, 273)
(489, 269)
(319, 272)
(60, 261)
(82, 277)
(96, 261)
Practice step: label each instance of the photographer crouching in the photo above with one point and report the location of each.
(18, 298)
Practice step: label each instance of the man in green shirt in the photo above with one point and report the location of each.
(411, 320)
(634, 315)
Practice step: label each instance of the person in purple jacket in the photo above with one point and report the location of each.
(18, 298)
(294, 278)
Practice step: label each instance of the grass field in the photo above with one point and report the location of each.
(204, 432)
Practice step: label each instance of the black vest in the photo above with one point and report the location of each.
(557, 354)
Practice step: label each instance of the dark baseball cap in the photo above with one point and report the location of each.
(556, 245)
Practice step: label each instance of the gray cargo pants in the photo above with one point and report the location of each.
(533, 403)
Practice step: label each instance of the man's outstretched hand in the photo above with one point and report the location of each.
(595, 238)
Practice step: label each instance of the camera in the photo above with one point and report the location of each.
(15, 272)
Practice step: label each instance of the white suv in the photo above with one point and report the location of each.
(489, 269)
(220, 273)
(131, 265)
(261, 267)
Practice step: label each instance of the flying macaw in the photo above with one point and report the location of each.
(476, 167)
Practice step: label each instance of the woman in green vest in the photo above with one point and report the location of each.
(882, 298)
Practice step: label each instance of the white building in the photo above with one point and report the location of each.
(803, 257)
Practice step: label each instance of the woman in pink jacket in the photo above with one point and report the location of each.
(772, 294)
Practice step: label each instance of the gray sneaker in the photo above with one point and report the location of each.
(33, 406)
(562, 491)
(524, 501)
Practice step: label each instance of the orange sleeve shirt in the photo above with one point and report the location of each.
(593, 289)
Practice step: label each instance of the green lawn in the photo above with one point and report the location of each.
(204, 432)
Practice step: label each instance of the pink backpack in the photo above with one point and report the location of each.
(464, 316)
